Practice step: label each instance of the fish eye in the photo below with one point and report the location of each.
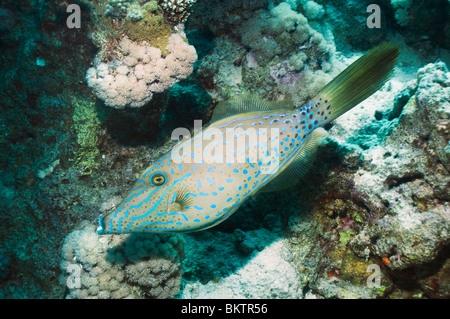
(158, 179)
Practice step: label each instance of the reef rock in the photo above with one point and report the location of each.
(409, 175)
(378, 208)
(269, 274)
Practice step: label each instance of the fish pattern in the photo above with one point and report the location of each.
(251, 146)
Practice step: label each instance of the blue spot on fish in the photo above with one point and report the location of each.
(248, 161)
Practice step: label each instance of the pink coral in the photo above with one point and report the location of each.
(142, 71)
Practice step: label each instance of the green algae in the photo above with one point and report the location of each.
(87, 127)
(345, 236)
(152, 28)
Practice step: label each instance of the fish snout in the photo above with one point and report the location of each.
(101, 229)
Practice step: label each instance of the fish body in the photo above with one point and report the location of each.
(251, 146)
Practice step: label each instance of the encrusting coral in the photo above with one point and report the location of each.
(129, 266)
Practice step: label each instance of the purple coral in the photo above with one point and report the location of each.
(281, 74)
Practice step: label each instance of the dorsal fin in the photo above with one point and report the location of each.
(300, 165)
(246, 103)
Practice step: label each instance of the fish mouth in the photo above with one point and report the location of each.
(101, 226)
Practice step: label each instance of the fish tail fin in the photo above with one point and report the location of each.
(357, 82)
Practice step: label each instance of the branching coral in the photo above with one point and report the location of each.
(128, 266)
(177, 10)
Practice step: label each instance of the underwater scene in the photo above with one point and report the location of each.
(224, 149)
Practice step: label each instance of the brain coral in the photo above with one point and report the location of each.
(128, 266)
(139, 71)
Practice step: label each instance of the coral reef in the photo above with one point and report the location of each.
(140, 54)
(411, 178)
(269, 274)
(5, 264)
(87, 126)
(142, 71)
(390, 206)
(375, 204)
(279, 53)
(117, 8)
(423, 20)
(177, 10)
(122, 267)
(349, 26)
(401, 11)
(379, 203)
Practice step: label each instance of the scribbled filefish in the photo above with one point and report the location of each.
(251, 146)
